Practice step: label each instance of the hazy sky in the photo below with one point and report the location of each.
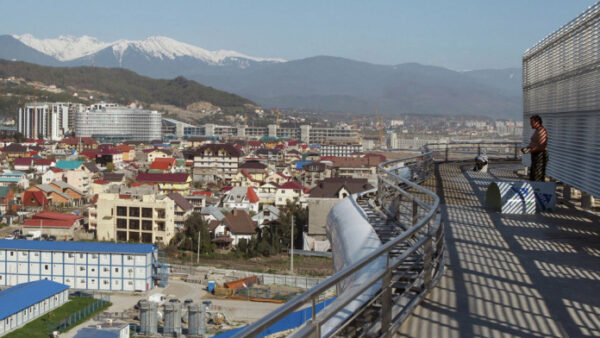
(461, 35)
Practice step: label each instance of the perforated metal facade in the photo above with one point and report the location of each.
(561, 83)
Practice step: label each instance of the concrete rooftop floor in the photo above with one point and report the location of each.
(509, 275)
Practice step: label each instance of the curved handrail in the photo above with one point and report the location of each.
(424, 232)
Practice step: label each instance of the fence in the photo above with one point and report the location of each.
(260, 293)
(80, 315)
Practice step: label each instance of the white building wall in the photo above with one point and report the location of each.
(79, 270)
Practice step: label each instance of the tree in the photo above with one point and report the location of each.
(194, 224)
(110, 167)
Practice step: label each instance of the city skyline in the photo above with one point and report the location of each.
(464, 36)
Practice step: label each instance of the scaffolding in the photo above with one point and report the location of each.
(160, 272)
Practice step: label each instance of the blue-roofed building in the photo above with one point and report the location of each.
(69, 165)
(14, 177)
(25, 302)
(83, 265)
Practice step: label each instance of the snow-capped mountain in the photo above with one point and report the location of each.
(69, 48)
(65, 47)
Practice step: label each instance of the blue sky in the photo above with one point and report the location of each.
(461, 35)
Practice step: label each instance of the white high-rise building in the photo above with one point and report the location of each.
(44, 120)
(117, 124)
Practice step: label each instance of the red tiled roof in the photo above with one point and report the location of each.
(159, 178)
(38, 196)
(90, 154)
(294, 185)
(205, 193)
(124, 148)
(163, 163)
(75, 140)
(57, 216)
(47, 223)
(139, 184)
(56, 170)
(292, 142)
(255, 143)
(23, 161)
(43, 161)
(101, 182)
(252, 196)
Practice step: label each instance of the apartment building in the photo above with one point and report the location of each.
(44, 120)
(216, 162)
(110, 124)
(129, 218)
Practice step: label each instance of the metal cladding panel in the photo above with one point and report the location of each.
(352, 238)
(561, 83)
(93, 247)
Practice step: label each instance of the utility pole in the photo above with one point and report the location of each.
(198, 255)
(292, 246)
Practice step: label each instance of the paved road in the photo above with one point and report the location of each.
(536, 276)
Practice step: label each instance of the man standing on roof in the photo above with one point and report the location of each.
(537, 147)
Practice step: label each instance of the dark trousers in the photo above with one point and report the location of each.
(538, 166)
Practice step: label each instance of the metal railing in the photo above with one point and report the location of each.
(414, 209)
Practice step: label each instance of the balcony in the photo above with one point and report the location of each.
(447, 266)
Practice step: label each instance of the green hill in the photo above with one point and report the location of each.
(123, 86)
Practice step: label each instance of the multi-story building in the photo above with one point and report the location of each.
(304, 133)
(112, 124)
(561, 82)
(213, 162)
(341, 149)
(127, 218)
(44, 120)
(81, 265)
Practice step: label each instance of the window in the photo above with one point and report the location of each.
(94, 256)
(82, 268)
(147, 225)
(83, 281)
(46, 267)
(130, 283)
(129, 258)
(121, 211)
(24, 254)
(121, 223)
(116, 269)
(105, 269)
(12, 253)
(105, 282)
(134, 224)
(161, 213)
(93, 269)
(134, 212)
(147, 212)
(81, 255)
(71, 255)
(36, 254)
(161, 226)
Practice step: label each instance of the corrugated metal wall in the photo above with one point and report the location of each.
(561, 83)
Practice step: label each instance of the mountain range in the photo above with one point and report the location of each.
(316, 83)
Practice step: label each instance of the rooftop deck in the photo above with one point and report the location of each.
(509, 275)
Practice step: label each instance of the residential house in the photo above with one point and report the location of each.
(216, 162)
(60, 225)
(23, 163)
(127, 151)
(313, 173)
(163, 165)
(241, 198)
(76, 195)
(211, 213)
(153, 154)
(277, 178)
(291, 192)
(41, 165)
(52, 174)
(267, 193)
(15, 150)
(198, 201)
(167, 183)
(183, 209)
(325, 195)
(34, 198)
(268, 213)
(78, 144)
(19, 178)
(7, 199)
(79, 179)
(52, 196)
(235, 226)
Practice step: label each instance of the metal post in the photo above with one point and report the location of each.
(427, 264)
(415, 212)
(446, 153)
(292, 246)
(478, 149)
(516, 151)
(386, 298)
